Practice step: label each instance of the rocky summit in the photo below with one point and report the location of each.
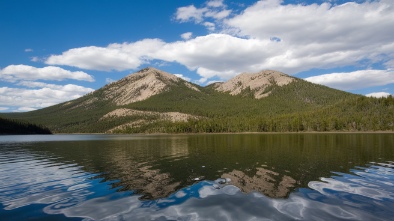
(141, 86)
(258, 83)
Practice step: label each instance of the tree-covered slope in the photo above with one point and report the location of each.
(298, 96)
(151, 101)
(83, 115)
(10, 126)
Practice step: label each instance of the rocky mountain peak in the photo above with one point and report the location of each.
(151, 72)
(141, 85)
(257, 83)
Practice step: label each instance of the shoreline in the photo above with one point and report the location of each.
(204, 133)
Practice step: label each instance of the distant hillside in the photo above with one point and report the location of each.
(151, 101)
(8, 126)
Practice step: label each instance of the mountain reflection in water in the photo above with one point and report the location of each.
(264, 181)
(271, 176)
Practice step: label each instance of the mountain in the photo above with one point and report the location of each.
(142, 85)
(153, 101)
(259, 83)
(135, 87)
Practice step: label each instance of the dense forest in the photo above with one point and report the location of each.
(9, 126)
(300, 106)
(358, 113)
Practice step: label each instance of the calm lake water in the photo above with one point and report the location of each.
(197, 177)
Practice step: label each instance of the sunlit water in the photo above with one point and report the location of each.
(197, 177)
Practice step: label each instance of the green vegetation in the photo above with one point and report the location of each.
(9, 126)
(298, 106)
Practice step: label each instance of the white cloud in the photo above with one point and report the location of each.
(202, 80)
(215, 3)
(315, 23)
(210, 26)
(28, 50)
(45, 95)
(35, 59)
(378, 94)
(4, 108)
(25, 109)
(118, 57)
(183, 77)
(311, 36)
(187, 35)
(214, 9)
(208, 73)
(354, 80)
(218, 14)
(212, 82)
(188, 13)
(65, 88)
(320, 36)
(217, 52)
(109, 80)
(14, 73)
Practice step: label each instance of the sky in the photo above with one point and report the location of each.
(55, 51)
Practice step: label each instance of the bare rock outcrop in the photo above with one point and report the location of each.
(142, 85)
(257, 83)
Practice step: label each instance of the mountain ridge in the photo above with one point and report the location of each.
(154, 101)
(257, 82)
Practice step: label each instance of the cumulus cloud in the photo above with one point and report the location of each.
(187, 35)
(183, 77)
(267, 35)
(210, 26)
(316, 23)
(25, 109)
(215, 3)
(321, 35)
(14, 73)
(188, 13)
(39, 95)
(35, 59)
(354, 80)
(218, 14)
(213, 9)
(217, 52)
(378, 94)
(118, 57)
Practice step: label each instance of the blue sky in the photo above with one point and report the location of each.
(54, 51)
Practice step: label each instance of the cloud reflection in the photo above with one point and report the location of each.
(59, 183)
(65, 189)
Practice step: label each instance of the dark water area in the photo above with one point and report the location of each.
(197, 177)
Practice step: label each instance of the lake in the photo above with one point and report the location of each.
(314, 176)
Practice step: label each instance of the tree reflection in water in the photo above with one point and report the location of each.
(156, 166)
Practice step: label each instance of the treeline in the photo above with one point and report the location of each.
(9, 126)
(78, 116)
(356, 114)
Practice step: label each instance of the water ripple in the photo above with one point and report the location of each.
(57, 187)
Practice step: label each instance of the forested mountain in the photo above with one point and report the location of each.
(151, 101)
(8, 126)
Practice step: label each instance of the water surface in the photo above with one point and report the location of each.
(195, 177)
